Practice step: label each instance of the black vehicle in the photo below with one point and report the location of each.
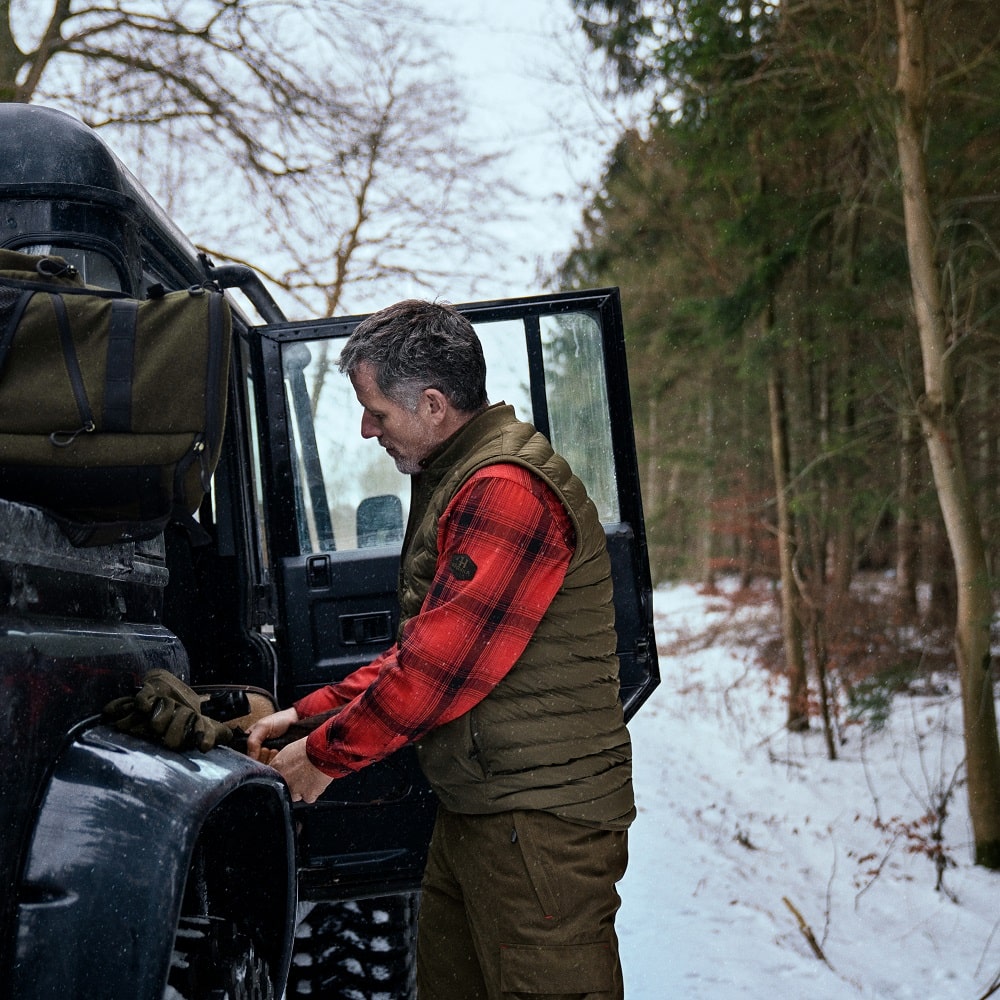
(116, 854)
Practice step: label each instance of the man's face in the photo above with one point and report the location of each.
(407, 436)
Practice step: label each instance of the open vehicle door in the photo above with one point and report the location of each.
(337, 509)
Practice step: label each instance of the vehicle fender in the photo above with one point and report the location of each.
(104, 881)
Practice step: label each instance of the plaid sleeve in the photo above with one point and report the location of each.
(336, 695)
(504, 544)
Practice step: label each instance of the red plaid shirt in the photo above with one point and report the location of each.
(469, 632)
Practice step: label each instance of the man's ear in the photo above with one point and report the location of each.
(437, 404)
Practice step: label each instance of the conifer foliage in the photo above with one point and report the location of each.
(806, 236)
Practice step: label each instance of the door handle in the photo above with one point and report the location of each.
(356, 630)
(318, 572)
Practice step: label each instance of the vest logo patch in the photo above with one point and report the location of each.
(462, 567)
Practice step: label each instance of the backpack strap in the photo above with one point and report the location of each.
(62, 439)
(120, 365)
(17, 302)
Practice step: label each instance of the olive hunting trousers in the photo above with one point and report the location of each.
(520, 905)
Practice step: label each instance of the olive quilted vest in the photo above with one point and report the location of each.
(551, 735)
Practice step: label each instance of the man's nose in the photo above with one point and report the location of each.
(369, 427)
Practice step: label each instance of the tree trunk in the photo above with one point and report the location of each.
(707, 484)
(988, 471)
(795, 664)
(907, 523)
(940, 427)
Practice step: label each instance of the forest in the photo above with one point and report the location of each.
(805, 235)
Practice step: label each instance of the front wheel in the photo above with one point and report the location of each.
(214, 960)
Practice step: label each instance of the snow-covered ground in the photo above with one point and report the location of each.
(749, 839)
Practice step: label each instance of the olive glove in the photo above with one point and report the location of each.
(166, 710)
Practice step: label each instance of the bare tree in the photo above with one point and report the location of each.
(938, 417)
(222, 67)
(319, 141)
(395, 196)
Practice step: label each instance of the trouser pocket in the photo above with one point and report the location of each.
(578, 970)
(539, 863)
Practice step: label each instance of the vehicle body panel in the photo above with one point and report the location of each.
(80, 627)
(107, 869)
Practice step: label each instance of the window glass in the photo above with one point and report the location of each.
(348, 492)
(253, 451)
(506, 353)
(579, 420)
(93, 266)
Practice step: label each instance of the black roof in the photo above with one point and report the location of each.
(46, 152)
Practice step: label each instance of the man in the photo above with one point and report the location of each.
(504, 675)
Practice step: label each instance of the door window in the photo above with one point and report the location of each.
(579, 417)
(348, 494)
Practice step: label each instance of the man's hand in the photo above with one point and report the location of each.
(305, 781)
(269, 728)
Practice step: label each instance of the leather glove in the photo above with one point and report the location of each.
(165, 709)
(161, 684)
(122, 714)
(180, 727)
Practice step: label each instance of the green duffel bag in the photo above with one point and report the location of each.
(111, 409)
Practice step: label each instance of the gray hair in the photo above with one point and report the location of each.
(416, 345)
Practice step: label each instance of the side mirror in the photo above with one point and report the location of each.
(380, 521)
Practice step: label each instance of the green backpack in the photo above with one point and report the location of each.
(111, 409)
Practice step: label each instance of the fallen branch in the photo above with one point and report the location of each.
(807, 932)
(994, 988)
